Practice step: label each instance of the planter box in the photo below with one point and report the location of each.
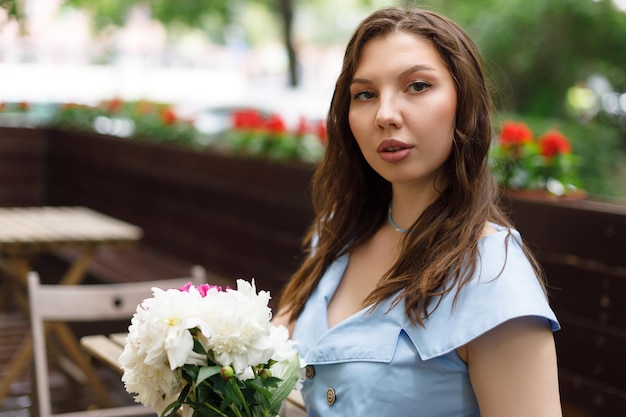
(22, 166)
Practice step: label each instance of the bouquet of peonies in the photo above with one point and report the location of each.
(209, 351)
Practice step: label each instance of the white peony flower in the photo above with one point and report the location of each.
(238, 326)
(232, 326)
(283, 347)
(153, 386)
(161, 329)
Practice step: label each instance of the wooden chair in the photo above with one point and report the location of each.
(53, 305)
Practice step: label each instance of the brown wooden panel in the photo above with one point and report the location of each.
(16, 170)
(236, 217)
(586, 229)
(30, 195)
(592, 349)
(583, 397)
(159, 204)
(261, 197)
(22, 166)
(20, 141)
(180, 164)
(587, 289)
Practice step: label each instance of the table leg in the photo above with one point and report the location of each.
(76, 273)
(5, 292)
(17, 365)
(16, 269)
(74, 352)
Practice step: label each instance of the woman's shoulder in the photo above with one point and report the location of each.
(489, 229)
(497, 242)
(503, 286)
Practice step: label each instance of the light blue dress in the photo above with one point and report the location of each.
(377, 364)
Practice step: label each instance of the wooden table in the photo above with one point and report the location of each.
(26, 232)
(108, 348)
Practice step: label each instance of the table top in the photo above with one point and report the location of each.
(46, 227)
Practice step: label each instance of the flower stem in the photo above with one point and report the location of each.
(241, 397)
(235, 410)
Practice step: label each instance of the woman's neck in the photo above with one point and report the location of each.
(407, 205)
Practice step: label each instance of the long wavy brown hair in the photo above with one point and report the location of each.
(350, 199)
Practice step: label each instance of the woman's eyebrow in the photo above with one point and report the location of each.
(410, 70)
(416, 68)
(361, 81)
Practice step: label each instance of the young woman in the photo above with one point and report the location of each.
(417, 297)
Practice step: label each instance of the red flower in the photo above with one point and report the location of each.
(168, 116)
(554, 143)
(114, 105)
(275, 124)
(303, 127)
(247, 119)
(3, 106)
(23, 105)
(514, 134)
(322, 133)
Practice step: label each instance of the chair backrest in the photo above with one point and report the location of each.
(85, 303)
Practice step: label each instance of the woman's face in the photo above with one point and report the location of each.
(402, 108)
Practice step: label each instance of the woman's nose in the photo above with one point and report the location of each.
(388, 114)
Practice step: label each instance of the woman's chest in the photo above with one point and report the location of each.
(367, 264)
(375, 373)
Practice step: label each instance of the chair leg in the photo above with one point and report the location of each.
(34, 393)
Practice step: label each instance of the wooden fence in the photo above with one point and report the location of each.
(22, 166)
(240, 217)
(245, 218)
(582, 247)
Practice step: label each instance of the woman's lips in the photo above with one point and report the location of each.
(392, 150)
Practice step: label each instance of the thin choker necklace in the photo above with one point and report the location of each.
(392, 223)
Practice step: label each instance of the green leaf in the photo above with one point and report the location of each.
(190, 372)
(207, 372)
(173, 406)
(197, 347)
(261, 390)
(289, 372)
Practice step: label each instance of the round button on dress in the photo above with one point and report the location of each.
(331, 397)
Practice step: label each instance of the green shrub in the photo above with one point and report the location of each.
(600, 147)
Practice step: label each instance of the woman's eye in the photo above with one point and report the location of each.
(363, 95)
(418, 86)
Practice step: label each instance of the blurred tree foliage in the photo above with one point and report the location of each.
(537, 49)
(14, 10)
(211, 16)
(192, 13)
(534, 51)
(10, 6)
